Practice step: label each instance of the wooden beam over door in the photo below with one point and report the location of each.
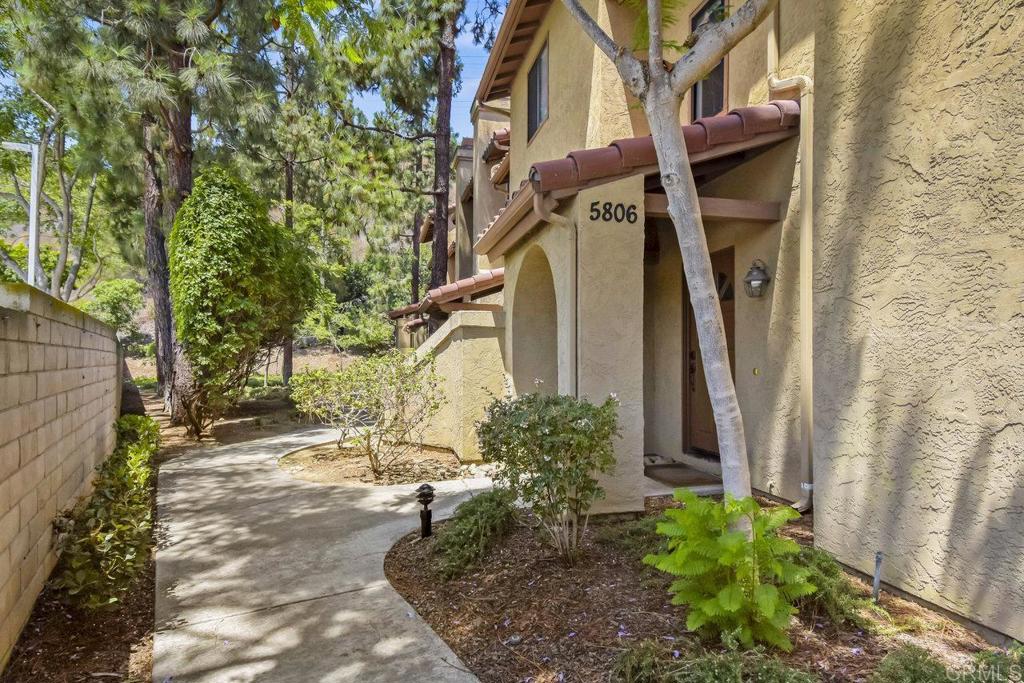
(720, 209)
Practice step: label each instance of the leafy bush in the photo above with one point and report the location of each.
(379, 404)
(650, 662)
(836, 598)
(733, 584)
(239, 282)
(140, 350)
(476, 526)
(116, 302)
(1000, 666)
(104, 542)
(549, 450)
(148, 383)
(910, 664)
(635, 538)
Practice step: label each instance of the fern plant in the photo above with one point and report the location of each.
(733, 584)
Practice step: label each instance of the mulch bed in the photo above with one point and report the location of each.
(326, 464)
(523, 616)
(62, 644)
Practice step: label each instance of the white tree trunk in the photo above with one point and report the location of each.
(662, 108)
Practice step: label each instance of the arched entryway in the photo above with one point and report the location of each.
(535, 326)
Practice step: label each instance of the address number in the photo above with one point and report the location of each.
(613, 212)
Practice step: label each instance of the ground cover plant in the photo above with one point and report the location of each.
(104, 542)
(733, 584)
(520, 614)
(477, 525)
(653, 662)
(380, 404)
(549, 450)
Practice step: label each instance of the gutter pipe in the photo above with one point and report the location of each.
(805, 86)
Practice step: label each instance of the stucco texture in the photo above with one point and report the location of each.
(467, 352)
(919, 298)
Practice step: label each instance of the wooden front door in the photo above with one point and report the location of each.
(701, 434)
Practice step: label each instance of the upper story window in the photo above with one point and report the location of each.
(709, 95)
(537, 93)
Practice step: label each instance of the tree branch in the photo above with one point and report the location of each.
(714, 41)
(387, 131)
(214, 12)
(630, 68)
(12, 264)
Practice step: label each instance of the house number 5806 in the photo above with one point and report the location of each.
(613, 212)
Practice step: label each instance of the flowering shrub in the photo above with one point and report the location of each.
(549, 451)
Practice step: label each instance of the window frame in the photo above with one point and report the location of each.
(725, 69)
(545, 55)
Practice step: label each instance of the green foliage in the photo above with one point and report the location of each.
(116, 302)
(651, 662)
(910, 664)
(239, 282)
(104, 542)
(733, 584)
(1000, 666)
(836, 598)
(476, 526)
(549, 450)
(147, 383)
(147, 350)
(635, 538)
(379, 404)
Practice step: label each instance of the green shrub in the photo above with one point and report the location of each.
(140, 350)
(148, 383)
(836, 598)
(239, 283)
(636, 538)
(910, 664)
(476, 526)
(651, 662)
(104, 542)
(1000, 666)
(116, 302)
(549, 450)
(379, 405)
(734, 585)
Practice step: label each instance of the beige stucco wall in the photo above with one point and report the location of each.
(599, 321)
(467, 353)
(919, 298)
(487, 199)
(59, 393)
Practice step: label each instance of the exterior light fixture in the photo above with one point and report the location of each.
(757, 279)
(425, 496)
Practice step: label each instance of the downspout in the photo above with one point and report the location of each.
(544, 206)
(805, 86)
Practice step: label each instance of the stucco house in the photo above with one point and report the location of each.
(860, 168)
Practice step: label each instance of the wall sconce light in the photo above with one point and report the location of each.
(757, 279)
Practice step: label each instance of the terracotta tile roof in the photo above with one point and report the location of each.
(497, 146)
(483, 281)
(621, 156)
(427, 229)
(499, 174)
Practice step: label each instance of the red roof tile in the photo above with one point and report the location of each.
(481, 282)
(622, 156)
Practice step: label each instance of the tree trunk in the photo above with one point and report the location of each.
(157, 270)
(417, 226)
(442, 151)
(179, 186)
(289, 221)
(662, 108)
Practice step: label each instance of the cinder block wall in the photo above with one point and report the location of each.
(59, 395)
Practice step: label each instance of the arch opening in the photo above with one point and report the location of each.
(535, 327)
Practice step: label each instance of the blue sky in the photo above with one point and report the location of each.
(473, 57)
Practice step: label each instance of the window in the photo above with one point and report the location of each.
(537, 95)
(709, 94)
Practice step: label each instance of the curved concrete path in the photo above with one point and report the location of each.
(261, 577)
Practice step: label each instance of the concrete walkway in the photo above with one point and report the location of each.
(261, 577)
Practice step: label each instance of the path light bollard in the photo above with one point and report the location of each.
(425, 495)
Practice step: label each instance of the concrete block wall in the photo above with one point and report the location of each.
(59, 394)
